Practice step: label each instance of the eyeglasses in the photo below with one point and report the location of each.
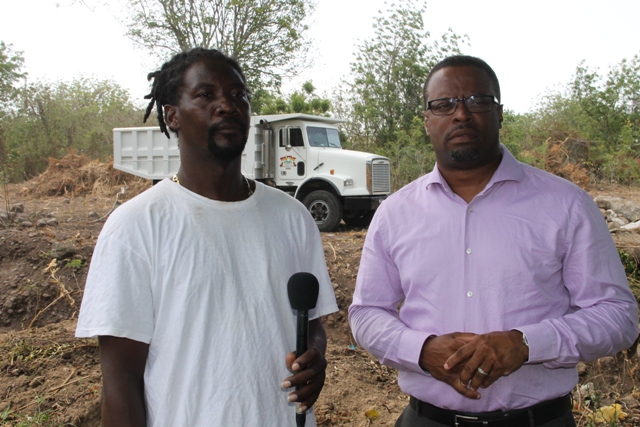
(474, 103)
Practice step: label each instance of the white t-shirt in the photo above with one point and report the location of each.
(204, 283)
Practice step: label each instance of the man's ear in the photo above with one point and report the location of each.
(426, 121)
(171, 118)
(500, 116)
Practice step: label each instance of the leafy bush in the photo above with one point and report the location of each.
(59, 118)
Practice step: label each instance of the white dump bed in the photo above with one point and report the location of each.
(145, 152)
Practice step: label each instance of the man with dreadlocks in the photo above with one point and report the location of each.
(187, 286)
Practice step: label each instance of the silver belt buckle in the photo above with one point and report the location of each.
(467, 418)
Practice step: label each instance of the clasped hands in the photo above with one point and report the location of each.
(468, 361)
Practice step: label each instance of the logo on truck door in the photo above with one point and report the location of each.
(288, 162)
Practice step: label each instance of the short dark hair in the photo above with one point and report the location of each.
(462, 61)
(167, 81)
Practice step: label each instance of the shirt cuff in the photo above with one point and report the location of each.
(411, 343)
(543, 342)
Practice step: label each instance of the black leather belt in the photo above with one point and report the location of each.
(533, 416)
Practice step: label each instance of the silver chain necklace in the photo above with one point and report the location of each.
(175, 179)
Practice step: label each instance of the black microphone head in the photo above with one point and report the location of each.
(303, 291)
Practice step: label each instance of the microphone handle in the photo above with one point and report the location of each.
(301, 419)
(302, 337)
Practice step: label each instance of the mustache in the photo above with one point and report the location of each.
(228, 122)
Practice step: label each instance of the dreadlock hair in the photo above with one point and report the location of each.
(167, 81)
(462, 61)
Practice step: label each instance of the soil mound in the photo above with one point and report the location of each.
(77, 175)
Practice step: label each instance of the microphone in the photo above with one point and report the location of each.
(303, 295)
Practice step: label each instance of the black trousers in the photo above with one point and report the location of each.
(410, 418)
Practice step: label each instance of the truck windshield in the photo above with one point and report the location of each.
(323, 137)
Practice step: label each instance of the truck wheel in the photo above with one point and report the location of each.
(358, 218)
(325, 209)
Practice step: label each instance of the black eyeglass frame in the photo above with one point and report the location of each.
(494, 100)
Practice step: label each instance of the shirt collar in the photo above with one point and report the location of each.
(509, 169)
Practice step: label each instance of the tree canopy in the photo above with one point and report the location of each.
(11, 63)
(56, 118)
(595, 118)
(302, 101)
(609, 103)
(382, 99)
(267, 37)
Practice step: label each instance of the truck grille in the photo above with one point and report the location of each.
(380, 177)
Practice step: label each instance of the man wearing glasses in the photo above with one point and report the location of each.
(486, 281)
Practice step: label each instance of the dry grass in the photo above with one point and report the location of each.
(76, 175)
(563, 159)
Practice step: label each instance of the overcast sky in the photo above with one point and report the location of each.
(532, 45)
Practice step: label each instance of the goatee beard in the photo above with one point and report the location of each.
(464, 155)
(232, 151)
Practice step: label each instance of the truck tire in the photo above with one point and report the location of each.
(325, 208)
(358, 218)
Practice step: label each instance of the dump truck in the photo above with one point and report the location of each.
(300, 154)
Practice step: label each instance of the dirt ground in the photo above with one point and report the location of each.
(48, 378)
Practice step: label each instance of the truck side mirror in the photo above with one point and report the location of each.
(287, 138)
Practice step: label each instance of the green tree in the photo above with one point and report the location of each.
(11, 63)
(383, 97)
(10, 72)
(596, 117)
(303, 101)
(609, 104)
(265, 36)
(62, 117)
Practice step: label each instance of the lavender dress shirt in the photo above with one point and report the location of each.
(531, 252)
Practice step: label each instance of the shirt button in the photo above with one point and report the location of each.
(470, 209)
(468, 250)
(469, 294)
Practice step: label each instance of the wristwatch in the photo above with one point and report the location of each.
(525, 341)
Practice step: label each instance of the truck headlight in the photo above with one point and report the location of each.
(348, 182)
